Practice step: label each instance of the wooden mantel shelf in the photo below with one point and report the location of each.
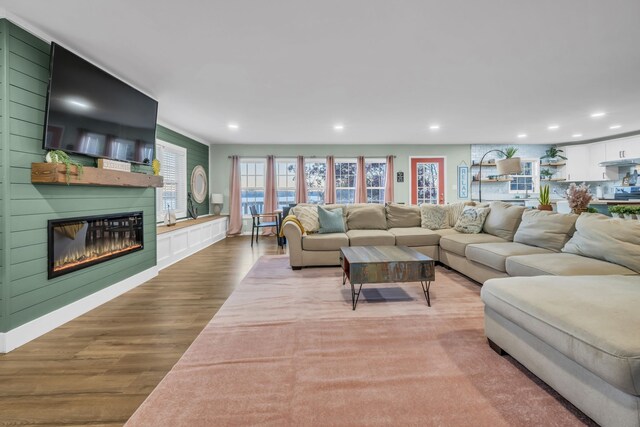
(55, 173)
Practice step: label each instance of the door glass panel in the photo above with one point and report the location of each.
(428, 182)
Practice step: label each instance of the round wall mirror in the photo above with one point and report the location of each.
(199, 184)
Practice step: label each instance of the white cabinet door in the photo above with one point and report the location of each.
(577, 159)
(624, 148)
(597, 154)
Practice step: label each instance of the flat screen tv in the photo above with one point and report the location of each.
(91, 112)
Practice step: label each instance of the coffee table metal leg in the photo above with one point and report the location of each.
(355, 295)
(425, 289)
(344, 278)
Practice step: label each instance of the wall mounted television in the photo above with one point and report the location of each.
(93, 113)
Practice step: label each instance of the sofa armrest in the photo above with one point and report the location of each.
(294, 242)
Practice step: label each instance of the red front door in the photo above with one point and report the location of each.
(427, 180)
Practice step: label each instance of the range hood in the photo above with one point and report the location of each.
(621, 162)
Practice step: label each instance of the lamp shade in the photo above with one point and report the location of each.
(509, 166)
(216, 198)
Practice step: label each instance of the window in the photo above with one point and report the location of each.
(528, 180)
(345, 180)
(252, 184)
(285, 180)
(376, 170)
(173, 168)
(316, 173)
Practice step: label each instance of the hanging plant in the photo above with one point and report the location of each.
(59, 156)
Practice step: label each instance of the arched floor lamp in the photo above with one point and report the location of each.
(506, 166)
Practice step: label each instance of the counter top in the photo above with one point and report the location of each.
(615, 202)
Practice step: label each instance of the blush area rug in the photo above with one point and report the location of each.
(286, 349)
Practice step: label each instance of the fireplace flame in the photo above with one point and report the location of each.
(95, 252)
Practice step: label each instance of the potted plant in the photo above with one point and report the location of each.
(546, 174)
(630, 212)
(59, 156)
(545, 199)
(553, 154)
(578, 197)
(616, 211)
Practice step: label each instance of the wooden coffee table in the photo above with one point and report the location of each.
(385, 264)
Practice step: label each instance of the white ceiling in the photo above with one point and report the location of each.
(287, 70)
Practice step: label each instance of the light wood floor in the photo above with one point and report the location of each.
(98, 368)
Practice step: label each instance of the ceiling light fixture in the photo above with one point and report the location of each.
(233, 126)
(576, 135)
(434, 127)
(615, 126)
(338, 127)
(553, 127)
(522, 135)
(598, 114)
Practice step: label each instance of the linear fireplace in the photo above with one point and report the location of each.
(76, 243)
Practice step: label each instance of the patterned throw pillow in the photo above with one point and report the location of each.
(308, 216)
(471, 220)
(434, 217)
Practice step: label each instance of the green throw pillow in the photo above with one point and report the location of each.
(330, 220)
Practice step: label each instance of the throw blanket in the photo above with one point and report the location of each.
(293, 219)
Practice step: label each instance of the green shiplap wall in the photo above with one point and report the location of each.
(197, 154)
(3, 176)
(27, 293)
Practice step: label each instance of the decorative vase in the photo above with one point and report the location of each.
(545, 207)
(630, 216)
(578, 211)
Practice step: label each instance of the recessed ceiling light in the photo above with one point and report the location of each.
(522, 135)
(434, 127)
(338, 127)
(598, 114)
(576, 135)
(553, 127)
(233, 126)
(615, 126)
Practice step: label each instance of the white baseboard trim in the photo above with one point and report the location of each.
(40, 326)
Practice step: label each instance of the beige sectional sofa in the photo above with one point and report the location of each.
(580, 334)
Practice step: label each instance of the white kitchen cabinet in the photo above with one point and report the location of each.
(577, 160)
(597, 152)
(623, 148)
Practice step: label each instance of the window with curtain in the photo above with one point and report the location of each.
(252, 184)
(376, 170)
(345, 180)
(528, 181)
(315, 171)
(285, 181)
(173, 168)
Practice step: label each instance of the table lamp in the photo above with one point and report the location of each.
(217, 200)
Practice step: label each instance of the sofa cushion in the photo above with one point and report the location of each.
(324, 242)
(371, 238)
(402, 215)
(308, 217)
(549, 230)
(495, 255)
(609, 239)
(365, 216)
(560, 265)
(471, 220)
(503, 219)
(331, 221)
(415, 236)
(589, 323)
(433, 217)
(457, 243)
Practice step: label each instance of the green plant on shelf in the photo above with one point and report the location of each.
(546, 174)
(553, 153)
(59, 156)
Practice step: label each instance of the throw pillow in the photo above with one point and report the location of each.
(471, 220)
(434, 217)
(330, 220)
(609, 239)
(308, 216)
(402, 216)
(503, 219)
(544, 229)
(454, 210)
